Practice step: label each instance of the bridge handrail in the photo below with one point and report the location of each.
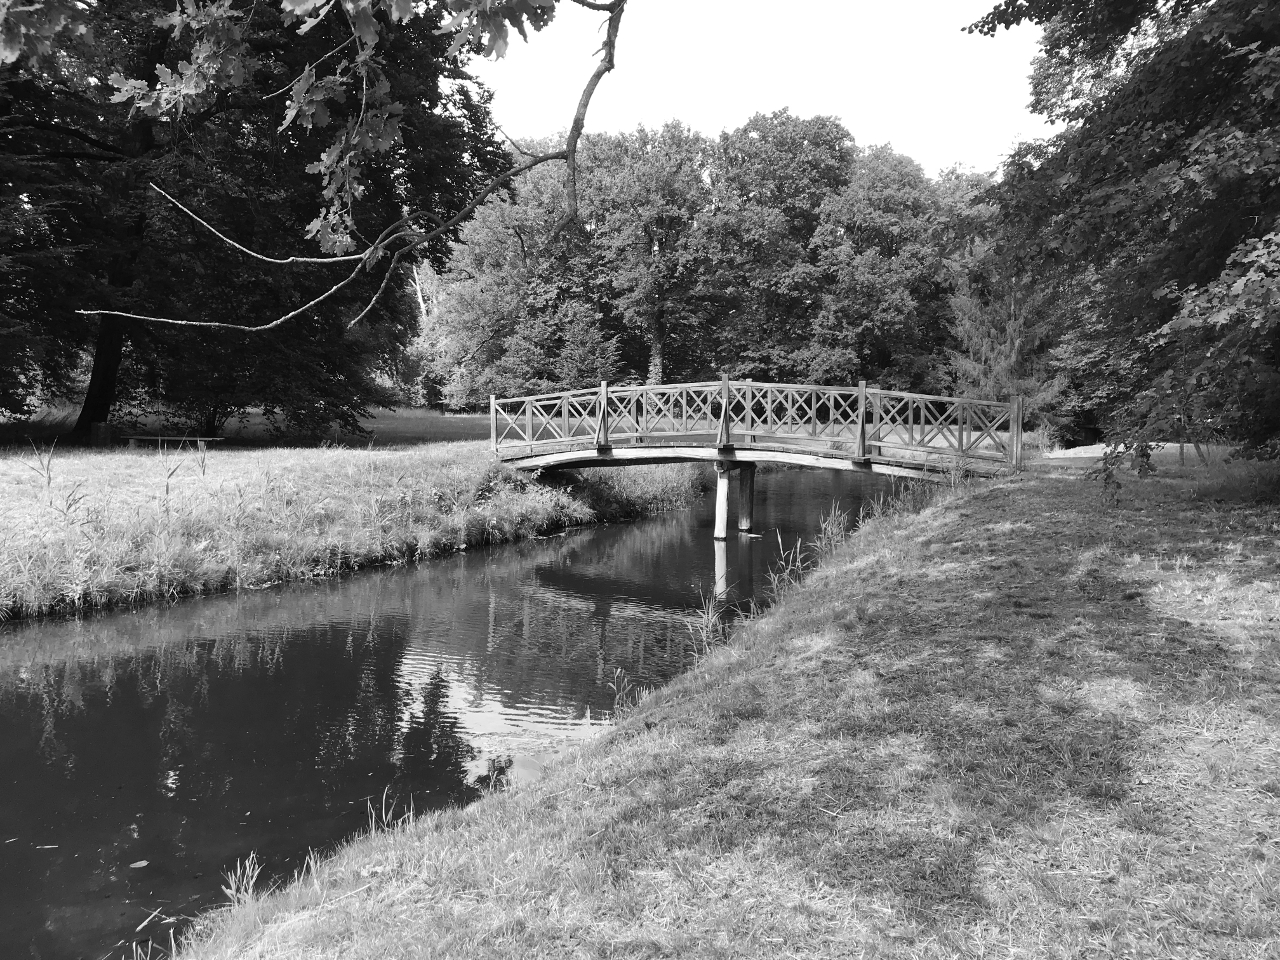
(876, 422)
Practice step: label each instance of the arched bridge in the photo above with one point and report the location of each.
(736, 424)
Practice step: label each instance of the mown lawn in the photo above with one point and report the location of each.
(1022, 722)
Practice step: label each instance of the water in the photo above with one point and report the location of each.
(143, 755)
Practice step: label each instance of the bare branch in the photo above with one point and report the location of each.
(580, 115)
(349, 258)
(602, 7)
(382, 287)
(389, 236)
(214, 325)
(66, 155)
(519, 149)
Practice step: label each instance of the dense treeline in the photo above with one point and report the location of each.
(781, 251)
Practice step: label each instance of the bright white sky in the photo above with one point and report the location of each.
(893, 72)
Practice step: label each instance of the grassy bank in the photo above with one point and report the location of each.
(88, 529)
(1026, 721)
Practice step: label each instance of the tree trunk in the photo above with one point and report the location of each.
(657, 334)
(107, 353)
(137, 140)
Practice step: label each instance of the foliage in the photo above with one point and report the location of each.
(883, 298)
(1001, 334)
(645, 206)
(781, 252)
(773, 175)
(203, 51)
(1159, 202)
(89, 232)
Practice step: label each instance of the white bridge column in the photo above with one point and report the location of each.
(746, 497)
(722, 500)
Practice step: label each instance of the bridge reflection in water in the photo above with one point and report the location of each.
(738, 424)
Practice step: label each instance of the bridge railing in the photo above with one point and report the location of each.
(857, 422)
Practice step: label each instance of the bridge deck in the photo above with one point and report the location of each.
(736, 423)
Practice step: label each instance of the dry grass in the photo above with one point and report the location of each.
(90, 529)
(1022, 722)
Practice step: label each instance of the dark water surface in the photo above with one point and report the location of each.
(142, 755)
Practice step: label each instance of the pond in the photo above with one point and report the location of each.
(143, 755)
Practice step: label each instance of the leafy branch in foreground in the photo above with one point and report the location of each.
(340, 166)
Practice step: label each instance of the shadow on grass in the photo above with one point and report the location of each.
(986, 684)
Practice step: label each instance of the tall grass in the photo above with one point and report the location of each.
(94, 529)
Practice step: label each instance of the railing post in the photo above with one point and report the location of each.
(493, 422)
(876, 427)
(747, 415)
(722, 436)
(602, 422)
(564, 403)
(1015, 434)
(528, 421)
(860, 444)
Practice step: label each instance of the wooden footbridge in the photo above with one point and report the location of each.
(736, 424)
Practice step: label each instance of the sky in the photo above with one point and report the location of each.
(899, 72)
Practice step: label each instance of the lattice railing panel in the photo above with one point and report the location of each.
(890, 425)
(791, 411)
(937, 426)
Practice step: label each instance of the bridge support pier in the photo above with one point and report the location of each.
(722, 500)
(746, 497)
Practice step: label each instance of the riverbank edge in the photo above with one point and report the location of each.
(993, 766)
(527, 508)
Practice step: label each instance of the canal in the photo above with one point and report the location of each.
(144, 754)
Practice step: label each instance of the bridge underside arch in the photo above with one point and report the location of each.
(739, 455)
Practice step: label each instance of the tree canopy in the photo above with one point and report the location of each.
(85, 227)
(782, 251)
(1124, 272)
(1160, 200)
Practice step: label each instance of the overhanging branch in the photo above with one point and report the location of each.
(400, 235)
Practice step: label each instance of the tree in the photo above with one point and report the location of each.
(1160, 199)
(1001, 334)
(882, 311)
(198, 55)
(525, 307)
(84, 163)
(645, 206)
(773, 175)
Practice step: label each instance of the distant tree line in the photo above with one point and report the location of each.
(780, 251)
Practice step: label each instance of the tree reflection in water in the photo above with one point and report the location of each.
(189, 756)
